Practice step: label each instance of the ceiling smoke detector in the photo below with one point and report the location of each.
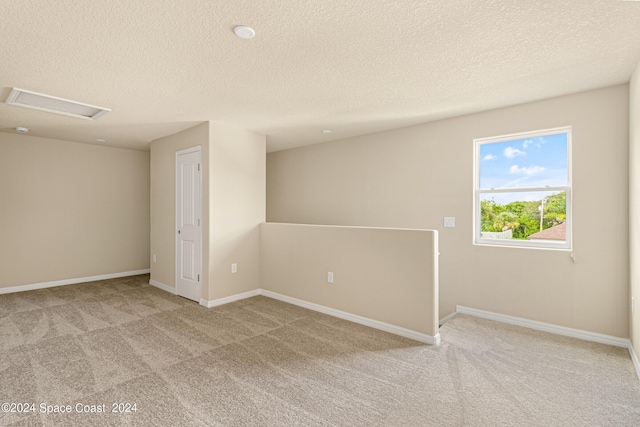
(52, 104)
(22, 130)
(244, 32)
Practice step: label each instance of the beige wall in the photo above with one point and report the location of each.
(233, 205)
(381, 274)
(634, 204)
(163, 201)
(238, 205)
(413, 177)
(70, 210)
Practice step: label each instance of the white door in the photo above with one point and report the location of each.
(188, 229)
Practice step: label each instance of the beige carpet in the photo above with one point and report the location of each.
(261, 362)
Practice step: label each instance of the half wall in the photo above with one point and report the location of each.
(387, 275)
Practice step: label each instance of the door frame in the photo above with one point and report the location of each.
(196, 149)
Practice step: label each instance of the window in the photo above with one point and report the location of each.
(523, 190)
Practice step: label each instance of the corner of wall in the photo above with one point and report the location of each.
(237, 185)
(634, 207)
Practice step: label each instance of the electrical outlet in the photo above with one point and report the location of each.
(234, 268)
(154, 258)
(449, 221)
(330, 277)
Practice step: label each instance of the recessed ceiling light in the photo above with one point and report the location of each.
(101, 140)
(244, 32)
(326, 131)
(22, 130)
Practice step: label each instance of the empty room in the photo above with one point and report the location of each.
(391, 213)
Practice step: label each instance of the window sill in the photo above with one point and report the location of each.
(523, 244)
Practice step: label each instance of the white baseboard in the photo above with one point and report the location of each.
(376, 324)
(55, 283)
(546, 327)
(397, 330)
(164, 287)
(634, 358)
(446, 319)
(227, 300)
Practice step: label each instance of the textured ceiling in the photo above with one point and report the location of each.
(355, 67)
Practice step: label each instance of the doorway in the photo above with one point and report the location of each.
(188, 224)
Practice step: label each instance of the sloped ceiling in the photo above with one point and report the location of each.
(351, 66)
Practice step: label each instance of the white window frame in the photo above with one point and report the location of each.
(539, 244)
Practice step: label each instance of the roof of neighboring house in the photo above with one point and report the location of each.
(557, 232)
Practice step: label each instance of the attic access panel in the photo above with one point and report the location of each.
(52, 104)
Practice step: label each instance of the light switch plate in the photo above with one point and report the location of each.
(449, 221)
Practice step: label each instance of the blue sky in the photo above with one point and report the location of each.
(526, 162)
